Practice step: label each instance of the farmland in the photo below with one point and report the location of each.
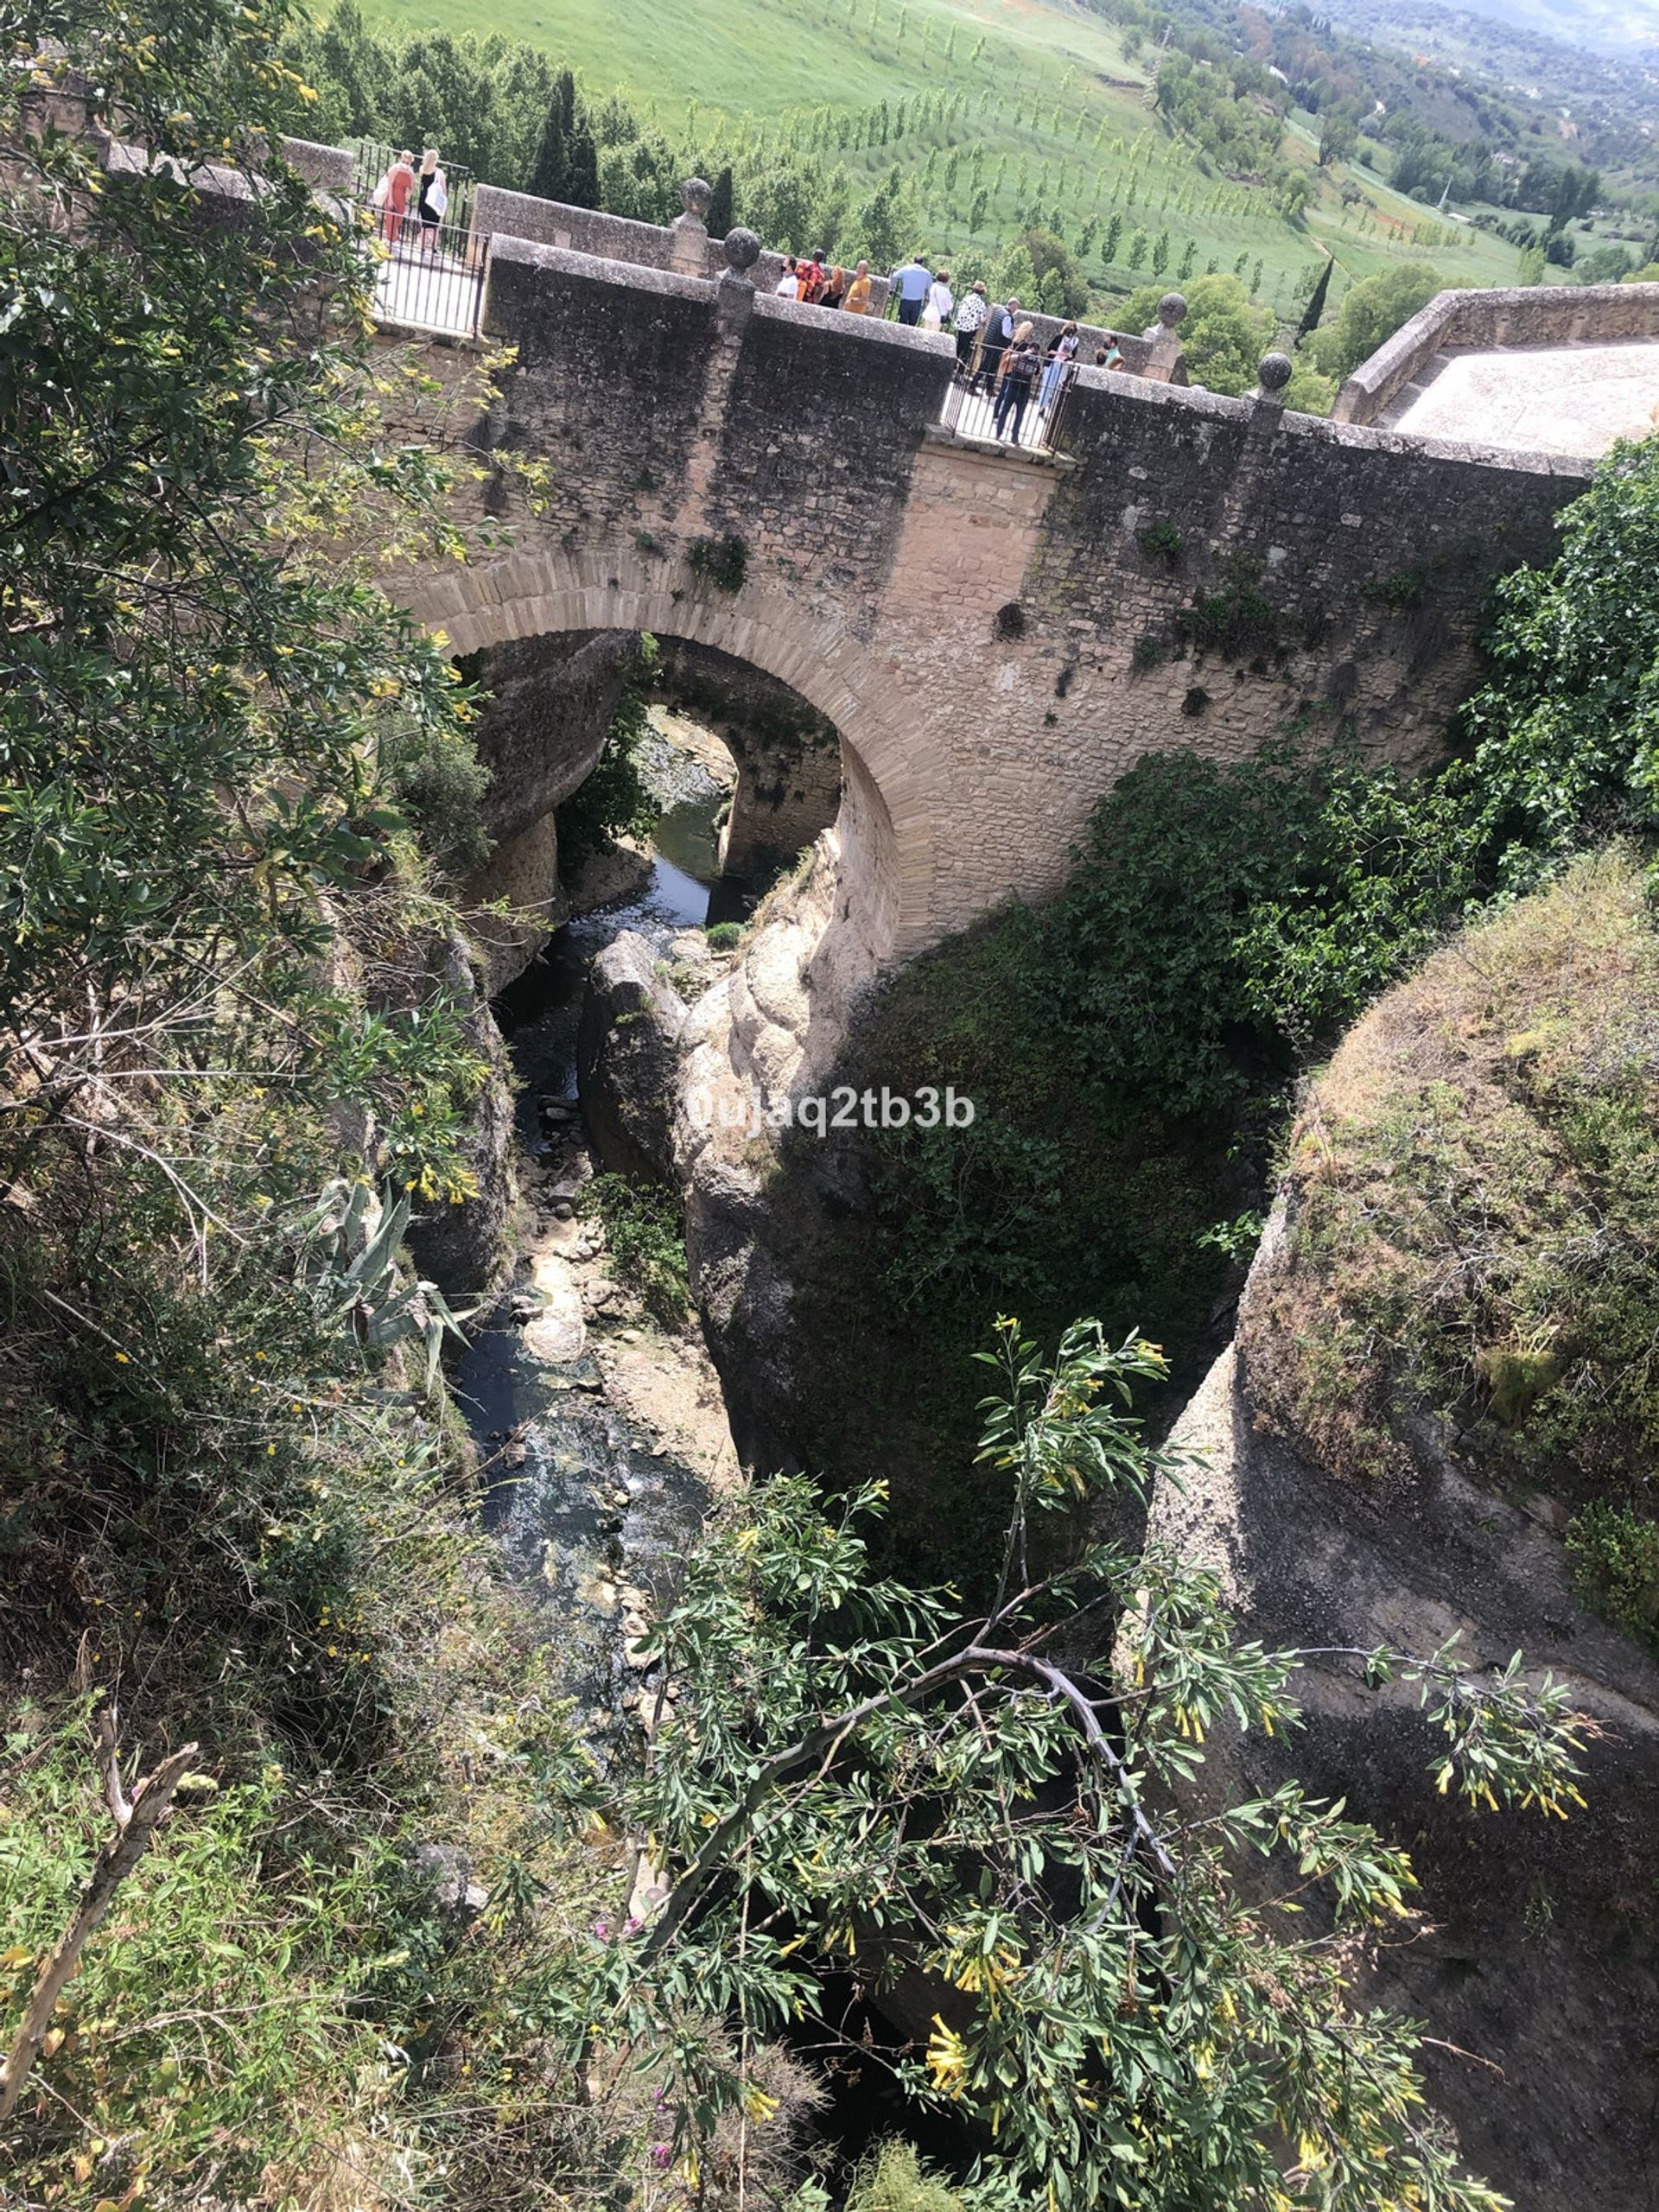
(996, 114)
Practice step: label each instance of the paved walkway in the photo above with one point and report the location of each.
(432, 290)
(1565, 399)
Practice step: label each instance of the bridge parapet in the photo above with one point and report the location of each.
(1542, 315)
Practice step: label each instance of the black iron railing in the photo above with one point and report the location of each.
(431, 274)
(988, 407)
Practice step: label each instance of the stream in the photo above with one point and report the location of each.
(592, 1509)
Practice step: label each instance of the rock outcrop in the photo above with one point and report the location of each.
(1360, 1482)
(769, 1033)
(541, 734)
(627, 1058)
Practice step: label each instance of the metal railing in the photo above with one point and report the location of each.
(978, 405)
(432, 275)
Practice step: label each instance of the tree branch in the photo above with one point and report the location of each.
(135, 1823)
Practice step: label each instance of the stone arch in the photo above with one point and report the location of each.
(881, 832)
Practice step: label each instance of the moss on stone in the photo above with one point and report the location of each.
(1472, 1254)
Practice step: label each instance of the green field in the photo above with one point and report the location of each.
(1054, 119)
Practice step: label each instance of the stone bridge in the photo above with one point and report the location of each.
(994, 636)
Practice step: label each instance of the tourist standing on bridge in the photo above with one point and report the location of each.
(834, 288)
(788, 286)
(940, 302)
(391, 197)
(910, 286)
(971, 311)
(999, 335)
(814, 277)
(1019, 374)
(434, 201)
(860, 293)
(1060, 355)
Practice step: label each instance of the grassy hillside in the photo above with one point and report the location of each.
(1052, 116)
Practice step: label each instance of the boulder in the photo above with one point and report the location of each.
(627, 1059)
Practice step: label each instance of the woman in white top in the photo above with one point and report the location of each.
(936, 308)
(788, 286)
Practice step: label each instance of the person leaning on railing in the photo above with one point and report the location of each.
(860, 293)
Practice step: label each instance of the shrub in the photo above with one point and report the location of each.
(1161, 541)
(436, 778)
(893, 2179)
(1371, 311)
(723, 560)
(647, 1244)
(1616, 1565)
(616, 801)
(724, 936)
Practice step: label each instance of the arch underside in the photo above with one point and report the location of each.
(881, 832)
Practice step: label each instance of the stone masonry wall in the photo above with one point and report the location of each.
(788, 755)
(996, 636)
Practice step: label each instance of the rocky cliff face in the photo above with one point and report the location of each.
(1371, 1470)
(768, 1034)
(552, 701)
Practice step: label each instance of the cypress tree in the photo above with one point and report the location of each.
(550, 176)
(582, 169)
(1315, 308)
(720, 217)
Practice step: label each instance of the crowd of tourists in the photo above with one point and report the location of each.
(999, 354)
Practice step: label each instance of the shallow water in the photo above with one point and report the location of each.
(585, 1509)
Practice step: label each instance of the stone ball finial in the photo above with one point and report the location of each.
(1172, 309)
(695, 196)
(1275, 371)
(742, 251)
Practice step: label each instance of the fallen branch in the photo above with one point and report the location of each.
(137, 1819)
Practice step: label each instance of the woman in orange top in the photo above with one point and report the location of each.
(858, 300)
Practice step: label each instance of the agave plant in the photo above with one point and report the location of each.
(350, 1244)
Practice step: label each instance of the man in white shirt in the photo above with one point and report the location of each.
(909, 286)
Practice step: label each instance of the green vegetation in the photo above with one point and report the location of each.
(1129, 1046)
(1223, 334)
(1370, 313)
(1476, 1218)
(893, 2179)
(231, 1493)
(1616, 1564)
(957, 128)
(647, 1245)
(1119, 2019)
(616, 801)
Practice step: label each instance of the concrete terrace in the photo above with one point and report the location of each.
(1559, 399)
(1558, 371)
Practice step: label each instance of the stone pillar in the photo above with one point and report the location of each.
(1272, 374)
(688, 236)
(1167, 363)
(736, 301)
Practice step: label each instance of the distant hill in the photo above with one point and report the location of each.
(1566, 45)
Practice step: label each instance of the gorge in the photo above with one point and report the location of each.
(556, 1814)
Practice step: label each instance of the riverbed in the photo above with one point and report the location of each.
(603, 1436)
